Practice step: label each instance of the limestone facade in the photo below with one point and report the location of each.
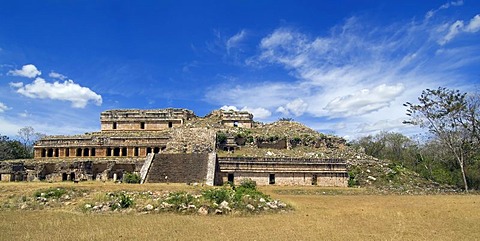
(181, 153)
(144, 120)
(284, 171)
(237, 119)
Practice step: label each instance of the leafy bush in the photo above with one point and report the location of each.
(248, 184)
(179, 198)
(352, 176)
(121, 201)
(221, 138)
(131, 178)
(125, 201)
(217, 195)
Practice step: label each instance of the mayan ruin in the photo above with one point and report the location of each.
(175, 145)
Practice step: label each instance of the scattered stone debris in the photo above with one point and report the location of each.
(203, 201)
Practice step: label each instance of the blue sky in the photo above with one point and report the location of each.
(340, 67)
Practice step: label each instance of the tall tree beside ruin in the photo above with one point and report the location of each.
(449, 116)
(28, 136)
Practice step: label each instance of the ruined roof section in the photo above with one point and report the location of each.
(236, 115)
(154, 114)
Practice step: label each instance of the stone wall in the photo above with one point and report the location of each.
(290, 179)
(280, 144)
(179, 168)
(68, 170)
(284, 171)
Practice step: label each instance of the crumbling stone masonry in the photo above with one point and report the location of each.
(169, 145)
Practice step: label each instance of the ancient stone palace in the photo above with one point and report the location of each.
(175, 145)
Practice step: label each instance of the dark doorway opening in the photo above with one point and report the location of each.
(149, 150)
(271, 179)
(230, 177)
(156, 150)
(124, 151)
(135, 151)
(79, 152)
(92, 152)
(50, 152)
(114, 125)
(86, 152)
(170, 124)
(56, 152)
(72, 176)
(44, 152)
(142, 125)
(109, 151)
(67, 152)
(64, 177)
(314, 179)
(116, 151)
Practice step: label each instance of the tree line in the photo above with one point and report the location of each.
(450, 152)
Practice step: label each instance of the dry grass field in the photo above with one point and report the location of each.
(320, 214)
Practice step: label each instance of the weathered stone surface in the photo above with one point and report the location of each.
(203, 211)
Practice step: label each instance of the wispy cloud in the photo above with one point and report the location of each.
(56, 75)
(3, 107)
(235, 40)
(459, 27)
(446, 5)
(359, 74)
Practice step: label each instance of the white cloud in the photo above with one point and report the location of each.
(234, 41)
(66, 91)
(24, 114)
(3, 107)
(453, 30)
(447, 5)
(364, 101)
(56, 75)
(474, 24)
(297, 107)
(229, 107)
(29, 71)
(16, 84)
(258, 113)
(459, 26)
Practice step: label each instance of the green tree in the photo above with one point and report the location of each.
(453, 120)
(11, 149)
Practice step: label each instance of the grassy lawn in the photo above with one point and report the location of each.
(320, 214)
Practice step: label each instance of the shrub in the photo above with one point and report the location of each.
(221, 138)
(248, 184)
(122, 201)
(131, 178)
(352, 176)
(217, 195)
(125, 201)
(179, 198)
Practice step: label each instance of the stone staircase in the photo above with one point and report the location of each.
(146, 167)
